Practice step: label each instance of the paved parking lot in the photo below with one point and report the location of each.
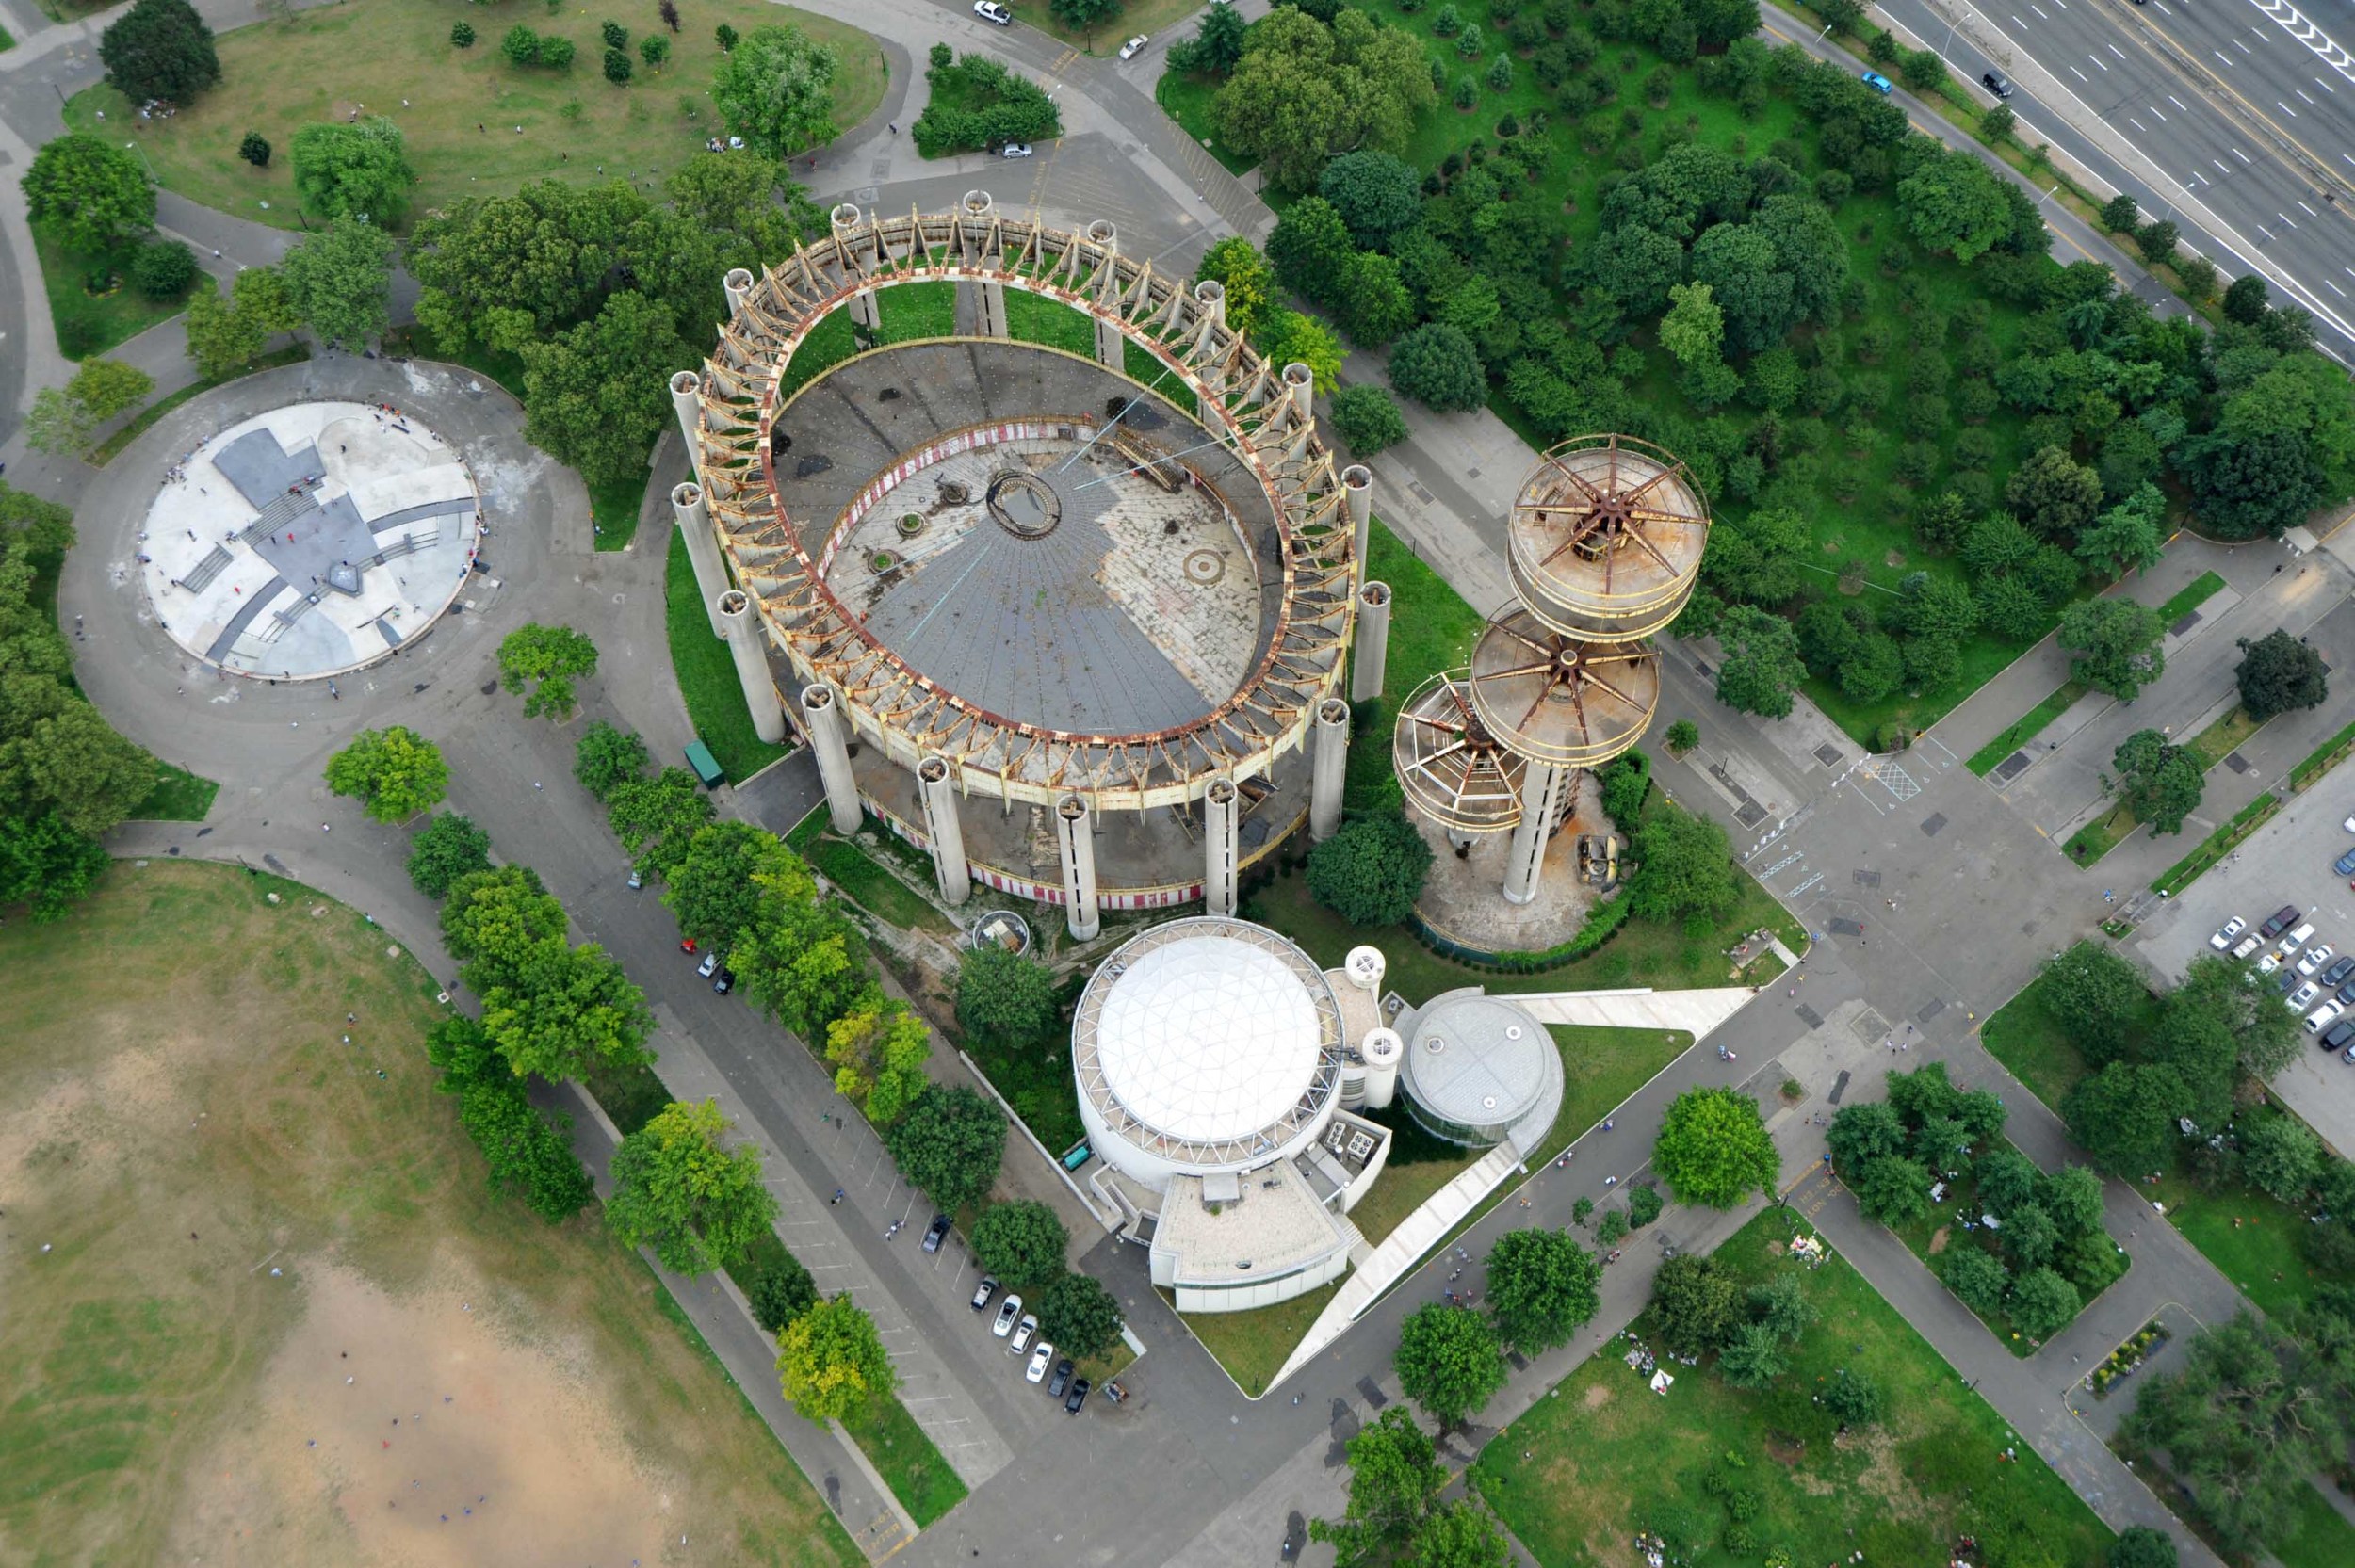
(2289, 861)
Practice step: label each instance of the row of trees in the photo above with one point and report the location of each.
(66, 777)
(2045, 1255)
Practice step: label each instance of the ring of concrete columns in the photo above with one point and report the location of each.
(1260, 417)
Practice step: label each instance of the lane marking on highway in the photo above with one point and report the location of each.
(2334, 288)
(2177, 102)
(2285, 217)
(2220, 166)
(2302, 98)
(2038, 9)
(2285, 108)
(2014, 16)
(2242, 157)
(2286, 17)
(2243, 47)
(2137, 125)
(2080, 76)
(2221, 60)
(2096, 59)
(2155, 109)
(2115, 50)
(2326, 87)
(2306, 210)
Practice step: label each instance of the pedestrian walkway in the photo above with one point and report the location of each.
(1696, 1012)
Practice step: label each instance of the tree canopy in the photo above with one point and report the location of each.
(1395, 1479)
(2114, 644)
(93, 191)
(1021, 1241)
(1713, 1149)
(676, 1190)
(395, 772)
(2159, 780)
(775, 90)
(950, 1144)
(595, 396)
(448, 847)
(339, 280)
(1305, 90)
(1006, 997)
(1078, 1316)
(2280, 673)
(1542, 1286)
(1372, 871)
(549, 658)
(1685, 867)
(1448, 1361)
(353, 169)
(1761, 668)
(832, 1362)
(159, 49)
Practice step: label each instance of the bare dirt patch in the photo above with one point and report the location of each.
(1937, 1240)
(430, 1436)
(241, 1210)
(1597, 1397)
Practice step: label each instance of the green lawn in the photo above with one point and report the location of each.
(2221, 738)
(1035, 318)
(910, 1464)
(179, 796)
(706, 676)
(2024, 729)
(459, 109)
(88, 324)
(1188, 100)
(2324, 1538)
(2190, 597)
(1602, 1456)
(2324, 758)
(109, 449)
(919, 310)
(1253, 1346)
(613, 510)
(2218, 844)
(871, 886)
(2034, 1041)
(2102, 834)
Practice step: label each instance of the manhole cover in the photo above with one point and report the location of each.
(1931, 824)
(1809, 1016)
(1421, 495)
(1868, 878)
(2237, 763)
(1827, 754)
(1930, 1009)
(1751, 814)
(2011, 767)
(1204, 567)
(2187, 623)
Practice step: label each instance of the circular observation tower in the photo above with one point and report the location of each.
(1068, 545)
(1605, 543)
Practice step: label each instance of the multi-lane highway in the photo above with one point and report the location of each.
(2234, 118)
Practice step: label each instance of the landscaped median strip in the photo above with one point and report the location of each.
(2024, 729)
(2216, 845)
(2326, 756)
(2212, 745)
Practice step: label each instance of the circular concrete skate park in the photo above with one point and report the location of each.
(310, 540)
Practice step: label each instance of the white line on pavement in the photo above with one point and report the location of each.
(2177, 102)
(2137, 125)
(2285, 108)
(2080, 76)
(2242, 157)
(2096, 59)
(2308, 211)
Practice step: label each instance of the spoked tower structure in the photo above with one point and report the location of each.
(1604, 545)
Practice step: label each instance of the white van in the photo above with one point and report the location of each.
(2320, 1019)
(2295, 940)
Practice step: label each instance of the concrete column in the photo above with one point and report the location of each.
(1111, 350)
(1210, 313)
(685, 387)
(1074, 836)
(857, 240)
(937, 783)
(1328, 769)
(1373, 641)
(1357, 499)
(822, 716)
(703, 549)
(981, 303)
(737, 284)
(1543, 789)
(1222, 851)
(745, 634)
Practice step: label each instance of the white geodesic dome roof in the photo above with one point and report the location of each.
(1206, 1044)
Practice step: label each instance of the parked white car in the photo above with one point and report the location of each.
(2322, 1017)
(2316, 956)
(1008, 1312)
(990, 10)
(2247, 946)
(1024, 1333)
(1041, 1359)
(2231, 928)
(2296, 1001)
(1129, 49)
